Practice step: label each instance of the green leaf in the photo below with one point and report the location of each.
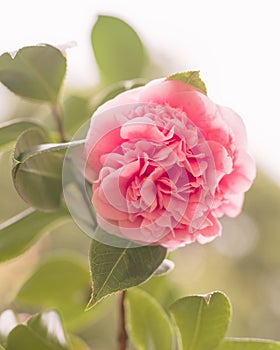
(48, 325)
(10, 130)
(118, 50)
(37, 172)
(36, 72)
(201, 321)
(148, 325)
(78, 344)
(63, 283)
(191, 78)
(8, 321)
(248, 344)
(43, 331)
(20, 232)
(114, 269)
(23, 338)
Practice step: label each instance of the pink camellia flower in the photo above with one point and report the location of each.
(165, 163)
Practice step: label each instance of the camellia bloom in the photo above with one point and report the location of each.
(165, 163)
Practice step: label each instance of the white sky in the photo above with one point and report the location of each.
(234, 43)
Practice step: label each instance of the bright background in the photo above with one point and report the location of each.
(235, 45)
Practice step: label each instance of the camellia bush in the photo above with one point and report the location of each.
(143, 168)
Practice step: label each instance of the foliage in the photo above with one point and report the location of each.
(148, 324)
(114, 269)
(123, 56)
(42, 331)
(191, 78)
(200, 320)
(34, 72)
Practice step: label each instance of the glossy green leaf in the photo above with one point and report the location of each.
(37, 173)
(248, 344)
(201, 320)
(114, 269)
(118, 49)
(191, 78)
(148, 325)
(8, 321)
(35, 72)
(61, 282)
(43, 331)
(11, 129)
(20, 232)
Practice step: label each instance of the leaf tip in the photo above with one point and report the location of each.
(191, 78)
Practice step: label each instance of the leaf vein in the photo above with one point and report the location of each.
(112, 270)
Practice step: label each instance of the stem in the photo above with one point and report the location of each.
(122, 335)
(16, 218)
(58, 118)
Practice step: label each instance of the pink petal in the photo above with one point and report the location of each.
(236, 124)
(142, 127)
(241, 177)
(222, 160)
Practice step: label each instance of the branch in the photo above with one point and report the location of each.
(122, 335)
(58, 118)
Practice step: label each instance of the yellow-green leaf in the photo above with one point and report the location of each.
(43, 331)
(191, 78)
(201, 320)
(148, 325)
(118, 50)
(248, 344)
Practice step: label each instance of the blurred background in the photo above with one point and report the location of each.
(235, 45)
